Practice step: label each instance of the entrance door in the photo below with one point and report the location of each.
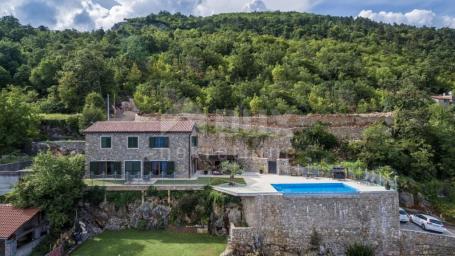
(272, 167)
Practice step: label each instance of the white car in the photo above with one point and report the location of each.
(404, 217)
(427, 222)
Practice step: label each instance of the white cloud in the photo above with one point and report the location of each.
(416, 17)
(255, 6)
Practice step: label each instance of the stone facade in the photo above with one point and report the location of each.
(285, 223)
(180, 150)
(416, 243)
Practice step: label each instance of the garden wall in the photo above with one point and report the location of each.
(416, 243)
(285, 223)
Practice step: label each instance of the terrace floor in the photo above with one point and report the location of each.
(261, 184)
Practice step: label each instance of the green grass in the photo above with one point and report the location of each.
(101, 183)
(148, 243)
(199, 181)
(57, 116)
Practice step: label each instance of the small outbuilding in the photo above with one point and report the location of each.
(20, 230)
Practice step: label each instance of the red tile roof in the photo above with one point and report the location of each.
(12, 218)
(164, 126)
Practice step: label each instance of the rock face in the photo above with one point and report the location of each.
(406, 199)
(149, 215)
(153, 214)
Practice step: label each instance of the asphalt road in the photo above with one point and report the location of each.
(411, 226)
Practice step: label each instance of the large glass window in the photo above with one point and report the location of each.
(105, 169)
(133, 142)
(159, 169)
(133, 169)
(106, 142)
(159, 142)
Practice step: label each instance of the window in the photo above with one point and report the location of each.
(106, 142)
(159, 142)
(194, 141)
(133, 142)
(105, 169)
(133, 169)
(159, 168)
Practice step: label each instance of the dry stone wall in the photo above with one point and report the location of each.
(416, 243)
(285, 224)
(280, 129)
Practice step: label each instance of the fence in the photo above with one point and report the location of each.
(361, 175)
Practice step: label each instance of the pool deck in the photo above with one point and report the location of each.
(261, 184)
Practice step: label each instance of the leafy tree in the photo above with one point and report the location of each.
(44, 75)
(314, 144)
(151, 98)
(85, 73)
(93, 110)
(55, 186)
(18, 118)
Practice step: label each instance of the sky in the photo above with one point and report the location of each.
(87, 15)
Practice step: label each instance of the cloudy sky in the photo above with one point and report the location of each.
(92, 14)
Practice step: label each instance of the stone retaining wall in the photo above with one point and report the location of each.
(284, 224)
(64, 146)
(417, 243)
(13, 167)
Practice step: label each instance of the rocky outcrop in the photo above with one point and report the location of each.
(153, 214)
(406, 199)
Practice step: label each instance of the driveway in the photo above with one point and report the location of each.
(411, 226)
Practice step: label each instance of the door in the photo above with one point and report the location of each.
(272, 167)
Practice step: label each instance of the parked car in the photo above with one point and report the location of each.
(427, 222)
(404, 217)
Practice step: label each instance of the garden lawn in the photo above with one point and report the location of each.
(151, 243)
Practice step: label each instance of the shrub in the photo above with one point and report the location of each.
(359, 250)
(122, 198)
(94, 195)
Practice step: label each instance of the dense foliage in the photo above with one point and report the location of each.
(18, 119)
(261, 62)
(55, 186)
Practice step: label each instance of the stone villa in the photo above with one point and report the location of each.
(141, 151)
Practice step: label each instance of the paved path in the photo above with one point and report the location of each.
(414, 227)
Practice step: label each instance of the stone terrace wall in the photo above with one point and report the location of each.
(416, 243)
(281, 127)
(285, 223)
(342, 125)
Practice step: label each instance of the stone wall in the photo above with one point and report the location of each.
(417, 243)
(280, 127)
(243, 238)
(63, 146)
(179, 150)
(13, 167)
(285, 224)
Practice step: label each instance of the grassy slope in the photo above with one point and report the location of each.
(147, 243)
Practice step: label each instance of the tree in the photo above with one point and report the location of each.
(93, 110)
(55, 185)
(18, 119)
(151, 98)
(44, 75)
(314, 143)
(232, 168)
(86, 72)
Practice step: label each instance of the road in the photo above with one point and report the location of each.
(411, 226)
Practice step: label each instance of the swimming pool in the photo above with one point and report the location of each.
(315, 188)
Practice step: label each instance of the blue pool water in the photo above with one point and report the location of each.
(315, 188)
